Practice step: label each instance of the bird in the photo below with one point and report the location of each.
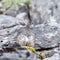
(28, 43)
(24, 40)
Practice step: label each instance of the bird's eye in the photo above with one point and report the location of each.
(1, 41)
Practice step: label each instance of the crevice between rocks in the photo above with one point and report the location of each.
(49, 48)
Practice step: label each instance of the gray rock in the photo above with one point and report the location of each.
(41, 10)
(13, 11)
(9, 28)
(23, 18)
(8, 21)
(54, 57)
(49, 53)
(38, 11)
(20, 12)
(46, 36)
(19, 55)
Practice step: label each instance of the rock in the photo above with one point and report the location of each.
(9, 28)
(8, 21)
(37, 12)
(46, 36)
(43, 34)
(41, 11)
(54, 57)
(13, 11)
(20, 12)
(9, 32)
(19, 55)
(49, 53)
(23, 18)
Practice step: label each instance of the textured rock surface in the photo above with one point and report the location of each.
(45, 31)
(46, 36)
(20, 12)
(21, 55)
(41, 10)
(13, 11)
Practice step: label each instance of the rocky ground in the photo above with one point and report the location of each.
(38, 27)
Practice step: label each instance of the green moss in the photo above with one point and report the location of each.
(9, 3)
